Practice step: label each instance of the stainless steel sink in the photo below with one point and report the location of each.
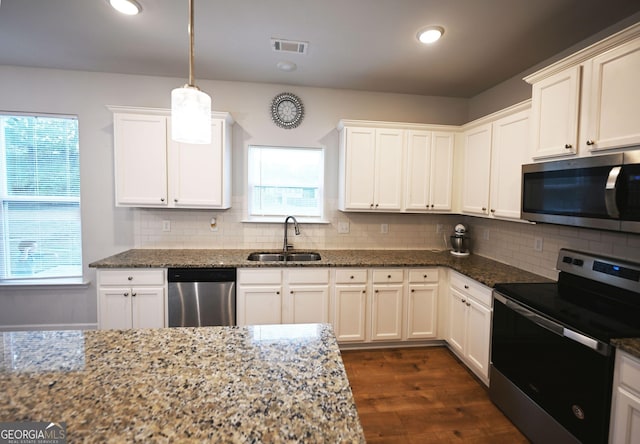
(284, 257)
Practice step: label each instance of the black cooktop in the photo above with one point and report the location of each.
(589, 307)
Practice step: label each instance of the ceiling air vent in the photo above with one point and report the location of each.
(289, 46)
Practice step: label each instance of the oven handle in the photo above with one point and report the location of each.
(554, 327)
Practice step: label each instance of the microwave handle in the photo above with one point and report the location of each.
(610, 193)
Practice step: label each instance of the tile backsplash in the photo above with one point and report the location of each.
(527, 246)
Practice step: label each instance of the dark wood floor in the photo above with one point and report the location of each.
(423, 395)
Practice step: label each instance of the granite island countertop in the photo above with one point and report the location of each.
(481, 269)
(275, 383)
(628, 345)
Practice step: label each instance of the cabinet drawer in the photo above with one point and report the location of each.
(420, 275)
(308, 276)
(383, 276)
(132, 276)
(348, 276)
(259, 277)
(473, 288)
(629, 371)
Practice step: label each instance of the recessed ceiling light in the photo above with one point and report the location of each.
(431, 34)
(287, 66)
(128, 7)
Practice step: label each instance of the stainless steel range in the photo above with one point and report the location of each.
(552, 362)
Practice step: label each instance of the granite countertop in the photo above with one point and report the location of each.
(481, 269)
(629, 345)
(275, 383)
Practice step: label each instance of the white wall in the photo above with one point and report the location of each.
(108, 230)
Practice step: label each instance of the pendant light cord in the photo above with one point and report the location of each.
(191, 39)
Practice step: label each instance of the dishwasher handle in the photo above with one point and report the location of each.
(201, 275)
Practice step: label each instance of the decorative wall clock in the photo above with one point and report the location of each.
(287, 110)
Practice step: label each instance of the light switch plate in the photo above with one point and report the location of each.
(384, 228)
(537, 244)
(343, 227)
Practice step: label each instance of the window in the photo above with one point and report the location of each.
(285, 181)
(40, 234)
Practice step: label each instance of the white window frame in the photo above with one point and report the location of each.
(64, 277)
(254, 217)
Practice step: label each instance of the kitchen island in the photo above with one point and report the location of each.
(273, 383)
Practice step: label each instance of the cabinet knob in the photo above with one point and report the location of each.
(162, 199)
(376, 205)
(364, 291)
(351, 277)
(413, 290)
(466, 287)
(484, 208)
(133, 295)
(371, 206)
(126, 295)
(277, 292)
(376, 291)
(291, 291)
(464, 301)
(568, 146)
(425, 276)
(492, 210)
(468, 304)
(175, 200)
(591, 142)
(432, 205)
(130, 278)
(388, 276)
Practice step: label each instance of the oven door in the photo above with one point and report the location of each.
(564, 373)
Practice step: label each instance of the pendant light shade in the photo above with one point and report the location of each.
(190, 107)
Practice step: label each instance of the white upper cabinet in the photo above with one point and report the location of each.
(477, 170)
(154, 171)
(614, 105)
(555, 103)
(371, 169)
(588, 101)
(493, 156)
(429, 170)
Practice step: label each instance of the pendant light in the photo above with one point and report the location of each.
(190, 107)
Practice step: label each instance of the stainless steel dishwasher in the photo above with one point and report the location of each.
(202, 297)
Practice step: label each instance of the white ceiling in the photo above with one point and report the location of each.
(354, 44)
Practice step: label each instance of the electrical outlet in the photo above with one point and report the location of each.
(485, 234)
(438, 228)
(213, 224)
(384, 228)
(537, 244)
(166, 225)
(343, 227)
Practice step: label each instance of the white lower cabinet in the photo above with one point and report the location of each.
(386, 304)
(422, 304)
(470, 323)
(350, 304)
(130, 298)
(625, 404)
(282, 296)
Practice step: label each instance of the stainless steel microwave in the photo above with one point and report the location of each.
(596, 192)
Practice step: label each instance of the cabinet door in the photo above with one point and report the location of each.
(114, 308)
(388, 176)
(457, 321)
(555, 114)
(359, 168)
(418, 168)
(478, 336)
(350, 312)
(307, 304)
(508, 151)
(625, 424)
(196, 171)
(147, 307)
(614, 106)
(477, 167)
(140, 160)
(386, 312)
(441, 171)
(259, 305)
(421, 311)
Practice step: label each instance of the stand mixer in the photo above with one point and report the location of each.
(460, 241)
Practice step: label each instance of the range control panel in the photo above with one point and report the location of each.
(616, 272)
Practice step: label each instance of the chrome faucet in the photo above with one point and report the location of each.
(286, 246)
